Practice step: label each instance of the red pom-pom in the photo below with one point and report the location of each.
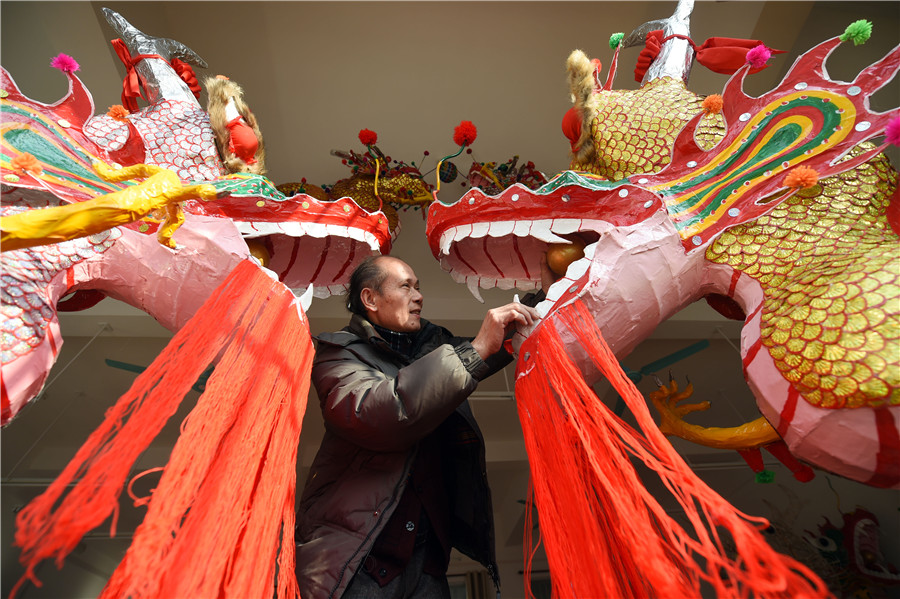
(367, 137)
(758, 56)
(892, 132)
(65, 63)
(465, 133)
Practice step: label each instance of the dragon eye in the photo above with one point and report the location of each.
(823, 544)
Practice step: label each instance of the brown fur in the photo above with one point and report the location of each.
(581, 84)
(218, 92)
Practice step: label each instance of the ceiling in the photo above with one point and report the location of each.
(315, 73)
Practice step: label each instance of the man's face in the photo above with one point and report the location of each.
(398, 304)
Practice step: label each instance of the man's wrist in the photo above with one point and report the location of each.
(472, 360)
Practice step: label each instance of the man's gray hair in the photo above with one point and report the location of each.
(368, 273)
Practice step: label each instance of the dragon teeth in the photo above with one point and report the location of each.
(577, 269)
(501, 229)
(541, 230)
(472, 284)
(564, 226)
(479, 230)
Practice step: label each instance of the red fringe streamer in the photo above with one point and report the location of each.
(605, 535)
(223, 510)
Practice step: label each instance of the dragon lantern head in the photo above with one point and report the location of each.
(855, 545)
(699, 191)
(666, 225)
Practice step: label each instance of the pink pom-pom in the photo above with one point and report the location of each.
(65, 63)
(759, 56)
(892, 132)
(464, 133)
(367, 137)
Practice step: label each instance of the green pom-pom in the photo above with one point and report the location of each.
(765, 477)
(615, 39)
(858, 31)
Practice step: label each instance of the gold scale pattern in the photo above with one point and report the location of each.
(633, 130)
(829, 265)
(393, 189)
(362, 190)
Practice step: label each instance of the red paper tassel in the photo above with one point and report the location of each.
(605, 534)
(224, 507)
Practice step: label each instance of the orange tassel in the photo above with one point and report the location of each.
(225, 502)
(605, 533)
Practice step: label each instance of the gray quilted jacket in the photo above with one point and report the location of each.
(377, 406)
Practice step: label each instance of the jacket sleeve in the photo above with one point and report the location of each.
(391, 413)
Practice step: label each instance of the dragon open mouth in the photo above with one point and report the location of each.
(867, 552)
(497, 241)
(307, 241)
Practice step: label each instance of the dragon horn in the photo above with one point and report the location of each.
(139, 42)
(675, 57)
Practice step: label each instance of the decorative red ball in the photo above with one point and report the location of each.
(367, 137)
(464, 133)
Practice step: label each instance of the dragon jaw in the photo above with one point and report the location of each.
(497, 241)
(310, 242)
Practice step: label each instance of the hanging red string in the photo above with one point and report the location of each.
(223, 511)
(723, 55)
(604, 533)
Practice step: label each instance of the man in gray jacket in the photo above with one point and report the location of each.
(400, 476)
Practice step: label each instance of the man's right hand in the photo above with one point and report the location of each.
(493, 330)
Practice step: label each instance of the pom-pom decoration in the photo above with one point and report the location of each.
(615, 39)
(448, 172)
(118, 112)
(803, 177)
(26, 163)
(758, 56)
(892, 132)
(368, 137)
(713, 103)
(65, 63)
(465, 133)
(858, 32)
